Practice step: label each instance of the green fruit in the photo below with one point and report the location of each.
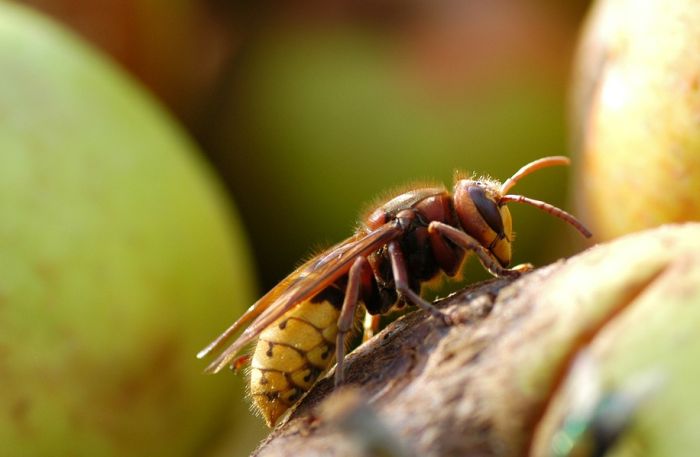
(637, 95)
(635, 322)
(119, 259)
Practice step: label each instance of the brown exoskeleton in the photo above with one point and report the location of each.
(301, 324)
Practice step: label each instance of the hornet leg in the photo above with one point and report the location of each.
(398, 265)
(347, 313)
(468, 243)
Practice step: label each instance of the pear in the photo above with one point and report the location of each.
(119, 258)
(636, 96)
(629, 388)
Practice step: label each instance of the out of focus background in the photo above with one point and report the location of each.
(287, 118)
(308, 110)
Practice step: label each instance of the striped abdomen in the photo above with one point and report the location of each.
(291, 354)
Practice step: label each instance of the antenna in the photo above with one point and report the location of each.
(547, 208)
(531, 167)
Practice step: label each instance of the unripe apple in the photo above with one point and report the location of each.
(119, 259)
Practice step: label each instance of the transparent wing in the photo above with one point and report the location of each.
(305, 282)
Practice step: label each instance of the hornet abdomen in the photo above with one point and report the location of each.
(291, 354)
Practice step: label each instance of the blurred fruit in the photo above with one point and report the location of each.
(636, 99)
(119, 259)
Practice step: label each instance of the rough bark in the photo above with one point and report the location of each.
(481, 386)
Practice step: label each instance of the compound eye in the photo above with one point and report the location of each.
(487, 209)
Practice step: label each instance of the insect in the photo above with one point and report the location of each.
(302, 323)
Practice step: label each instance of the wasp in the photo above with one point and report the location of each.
(301, 324)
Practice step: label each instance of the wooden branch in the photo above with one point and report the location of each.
(481, 386)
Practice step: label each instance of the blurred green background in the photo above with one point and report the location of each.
(307, 110)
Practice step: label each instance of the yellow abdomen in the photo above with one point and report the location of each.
(290, 355)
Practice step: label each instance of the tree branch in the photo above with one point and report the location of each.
(479, 387)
